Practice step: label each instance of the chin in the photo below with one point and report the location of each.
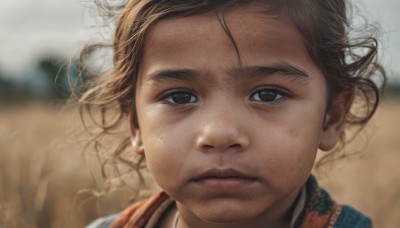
(227, 216)
(224, 220)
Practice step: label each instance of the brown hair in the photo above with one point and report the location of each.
(347, 60)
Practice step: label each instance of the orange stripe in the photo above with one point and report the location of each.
(137, 215)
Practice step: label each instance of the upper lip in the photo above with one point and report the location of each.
(222, 173)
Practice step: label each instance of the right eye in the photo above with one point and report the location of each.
(180, 97)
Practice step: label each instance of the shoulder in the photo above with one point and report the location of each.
(351, 218)
(120, 218)
(104, 222)
(322, 211)
(137, 215)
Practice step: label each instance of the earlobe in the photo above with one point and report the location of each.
(335, 119)
(137, 143)
(136, 136)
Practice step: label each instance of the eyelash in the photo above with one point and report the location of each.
(256, 96)
(168, 97)
(278, 95)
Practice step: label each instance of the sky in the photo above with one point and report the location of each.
(30, 29)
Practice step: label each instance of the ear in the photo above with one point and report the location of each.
(136, 136)
(335, 118)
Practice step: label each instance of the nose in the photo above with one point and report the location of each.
(221, 132)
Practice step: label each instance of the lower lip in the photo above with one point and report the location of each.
(219, 183)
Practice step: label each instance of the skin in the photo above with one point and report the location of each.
(198, 111)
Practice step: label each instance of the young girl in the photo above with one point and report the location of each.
(229, 102)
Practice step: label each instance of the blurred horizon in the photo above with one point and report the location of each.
(40, 39)
(31, 30)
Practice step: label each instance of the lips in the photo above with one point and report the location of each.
(222, 173)
(224, 179)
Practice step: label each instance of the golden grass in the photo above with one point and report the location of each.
(371, 181)
(42, 169)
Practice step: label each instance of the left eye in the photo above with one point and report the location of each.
(181, 98)
(266, 95)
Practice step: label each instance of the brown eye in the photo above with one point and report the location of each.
(266, 95)
(181, 98)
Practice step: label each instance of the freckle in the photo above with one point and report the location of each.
(293, 133)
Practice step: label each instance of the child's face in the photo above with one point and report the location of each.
(228, 143)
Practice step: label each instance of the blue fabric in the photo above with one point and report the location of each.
(104, 222)
(351, 218)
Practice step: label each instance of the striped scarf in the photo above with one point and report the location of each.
(320, 211)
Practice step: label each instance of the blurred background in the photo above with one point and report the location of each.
(47, 181)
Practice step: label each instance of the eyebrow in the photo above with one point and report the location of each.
(240, 73)
(274, 69)
(178, 74)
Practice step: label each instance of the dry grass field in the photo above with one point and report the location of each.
(45, 177)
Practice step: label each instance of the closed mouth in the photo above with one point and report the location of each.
(224, 180)
(223, 174)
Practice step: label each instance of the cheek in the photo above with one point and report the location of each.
(290, 150)
(160, 162)
(294, 150)
(157, 150)
(288, 163)
(165, 148)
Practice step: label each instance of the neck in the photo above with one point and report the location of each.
(278, 215)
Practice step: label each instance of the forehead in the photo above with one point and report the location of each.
(201, 40)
